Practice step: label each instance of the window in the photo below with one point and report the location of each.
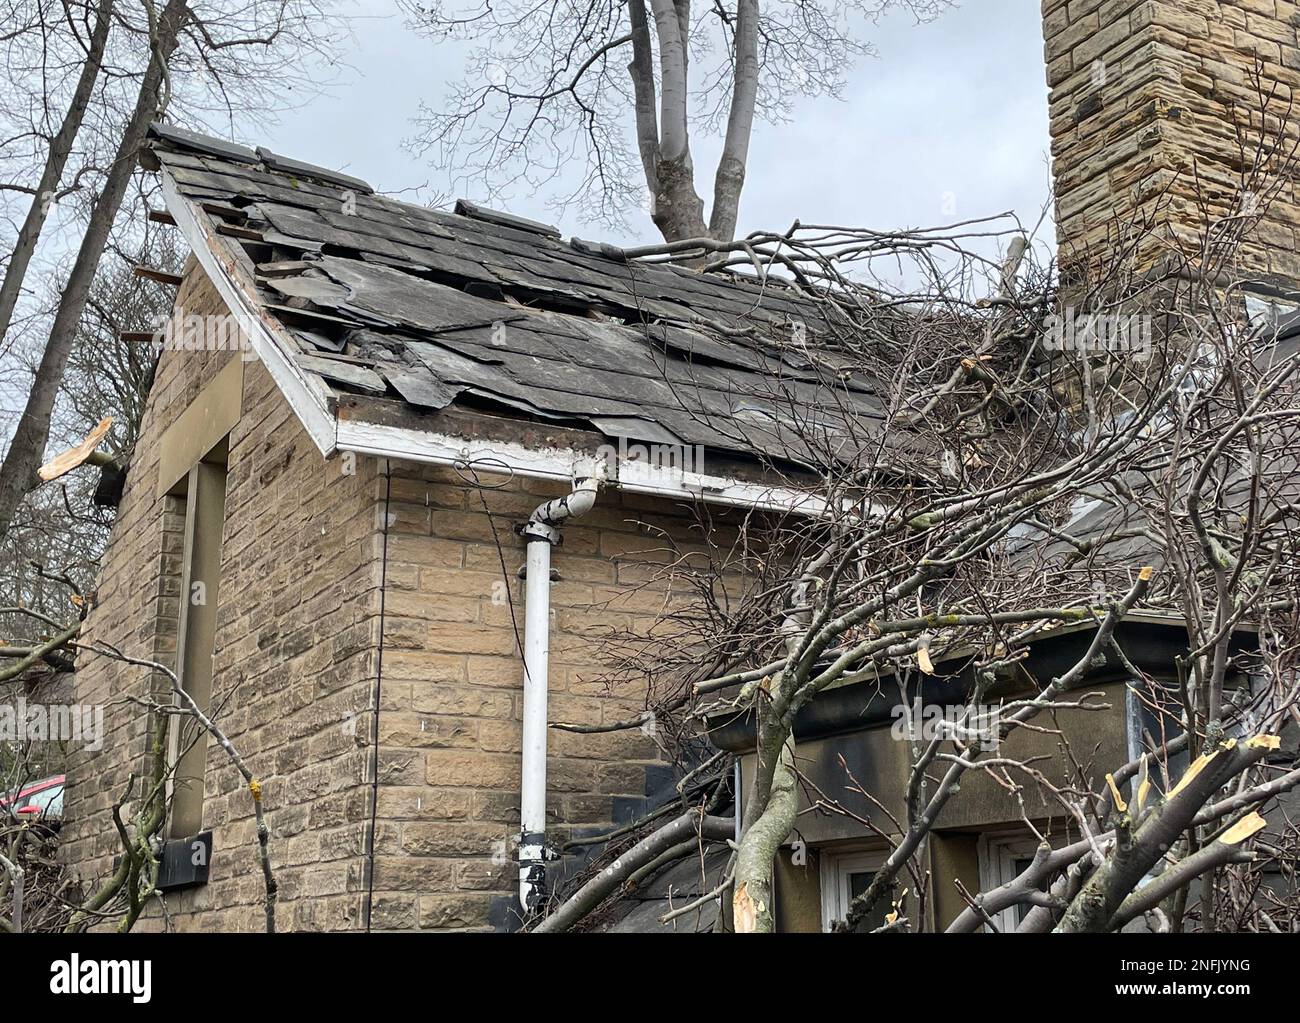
(204, 489)
(1153, 715)
(192, 458)
(1003, 858)
(845, 876)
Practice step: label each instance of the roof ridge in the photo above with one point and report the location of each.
(212, 145)
(264, 159)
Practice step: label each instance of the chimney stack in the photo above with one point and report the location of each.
(1157, 118)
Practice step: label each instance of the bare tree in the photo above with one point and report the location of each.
(579, 78)
(136, 63)
(139, 813)
(1029, 471)
(111, 366)
(229, 48)
(46, 192)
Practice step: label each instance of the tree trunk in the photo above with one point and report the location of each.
(55, 163)
(753, 896)
(1137, 849)
(678, 211)
(730, 178)
(18, 471)
(642, 72)
(694, 826)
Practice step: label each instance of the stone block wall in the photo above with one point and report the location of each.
(450, 728)
(294, 658)
(347, 583)
(1158, 109)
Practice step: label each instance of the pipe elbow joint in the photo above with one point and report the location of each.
(544, 522)
(583, 498)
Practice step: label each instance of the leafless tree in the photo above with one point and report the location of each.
(194, 60)
(57, 535)
(29, 873)
(181, 55)
(46, 192)
(584, 79)
(1028, 470)
(111, 366)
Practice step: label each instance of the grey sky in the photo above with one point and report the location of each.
(948, 123)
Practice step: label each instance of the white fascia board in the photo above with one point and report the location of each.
(501, 457)
(645, 477)
(564, 464)
(308, 400)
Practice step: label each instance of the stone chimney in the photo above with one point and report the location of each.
(1157, 115)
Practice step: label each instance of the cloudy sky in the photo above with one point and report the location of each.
(949, 122)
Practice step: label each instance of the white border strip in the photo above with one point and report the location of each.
(564, 464)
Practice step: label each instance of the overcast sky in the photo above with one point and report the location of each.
(949, 122)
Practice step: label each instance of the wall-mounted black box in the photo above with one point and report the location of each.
(184, 862)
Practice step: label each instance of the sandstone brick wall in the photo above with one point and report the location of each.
(319, 560)
(452, 685)
(295, 653)
(1152, 98)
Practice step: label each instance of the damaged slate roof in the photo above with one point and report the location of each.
(390, 302)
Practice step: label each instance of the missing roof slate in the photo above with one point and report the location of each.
(488, 310)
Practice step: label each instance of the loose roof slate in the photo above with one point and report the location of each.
(494, 312)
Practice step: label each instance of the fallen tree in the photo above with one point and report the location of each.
(1046, 457)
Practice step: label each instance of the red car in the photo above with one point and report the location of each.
(41, 799)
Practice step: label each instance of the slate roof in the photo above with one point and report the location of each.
(390, 301)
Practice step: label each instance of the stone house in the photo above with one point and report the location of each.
(356, 403)
(361, 399)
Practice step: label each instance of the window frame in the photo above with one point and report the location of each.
(204, 491)
(997, 852)
(836, 866)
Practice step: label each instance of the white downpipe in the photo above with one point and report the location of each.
(532, 793)
(541, 532)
